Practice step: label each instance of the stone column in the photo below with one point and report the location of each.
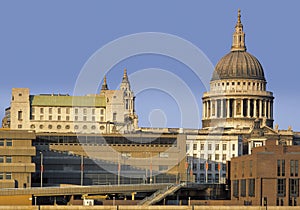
(254, 108)
(248, 108)
(269, 109)
(227, 107)
(265, 108)
(203, 110)
(234, 108)
(260, 108)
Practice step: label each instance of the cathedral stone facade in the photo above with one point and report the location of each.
(110, 111)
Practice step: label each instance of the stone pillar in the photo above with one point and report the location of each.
(248, 108)
(260, 108)
(265, 108)
(269, 109)
(227, 107)
(254, 108)
(203, 110)
(234, 108)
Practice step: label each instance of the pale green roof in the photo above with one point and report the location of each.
(67, 101)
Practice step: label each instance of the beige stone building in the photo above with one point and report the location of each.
(110, 111)
(16, 151)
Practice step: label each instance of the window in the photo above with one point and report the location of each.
(41, 126)
(236, 188)
(58, 110)
(76, 111)
(201, 166)
(8, 143)
(102, 111)
(251, 187)
(32, 110)
(223, 167)
(209, 146)
(8, 175)
(294, 187)
(209, 157)
(58, 126)
(49, 126)
(195, 167)
(67, 118)
(1, 142)
(93, 127)
(224, 157)
(217, 146)
(233, 147)
(114, 116)
(84, 111)
(93, 111)
(102, 119)
(224, 146)
(194, 146)
(102, 127)
(8, 159)
(41, 117)
(202, 146)
(1, 159)
(280, 167)
(187, 147)
(93, 118)
(50, 110)
(76, 118)
(19, 115)
(243, 168)
(50, 117)
(281, 185)
(1, 176)
(67, 110)
(32, 117)
(216, 178)
(42, 110)
(209, 167)
(217, 156)
(19, 126)
(84, 127)
(202, 178)
(243, 188)
(209, 178)
(84, 118)
(58, 118)
(216, 166)
(294, 167)
(67, 127)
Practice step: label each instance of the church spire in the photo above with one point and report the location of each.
(104, 85)
(125, 77)
(238, 42)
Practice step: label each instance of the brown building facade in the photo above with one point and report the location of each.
(270, 175)
(16, 151)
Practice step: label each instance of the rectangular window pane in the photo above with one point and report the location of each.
(1, 142)
(296, 167)
(1, 159)
(283, 168)
(8, 159)
(8, 143)
(8, 175)
(1, 176)
(278, 167)
(281, 187)
(251, 187)
(243, 188)
(292, 168)
(236, 188)
(194, 146)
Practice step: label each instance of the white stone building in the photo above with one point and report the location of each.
(110, 111)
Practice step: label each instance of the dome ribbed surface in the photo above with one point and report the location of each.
(238, 65)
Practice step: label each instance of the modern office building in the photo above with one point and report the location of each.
(269, 176)
(16, 151)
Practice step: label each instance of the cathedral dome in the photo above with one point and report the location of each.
(238, 65)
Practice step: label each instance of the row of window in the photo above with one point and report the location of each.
(217, 157)
(60, 110)
(259, 86)
(210, 166)
(76, 127)
(239, 188)
(5, 159)
(67, 118)
(210, 178)
(6, 175)
(210, 147)
(5, 142)
(294, 168)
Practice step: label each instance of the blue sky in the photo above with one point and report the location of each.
(45, 44)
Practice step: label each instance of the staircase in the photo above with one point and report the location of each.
(160, 194)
